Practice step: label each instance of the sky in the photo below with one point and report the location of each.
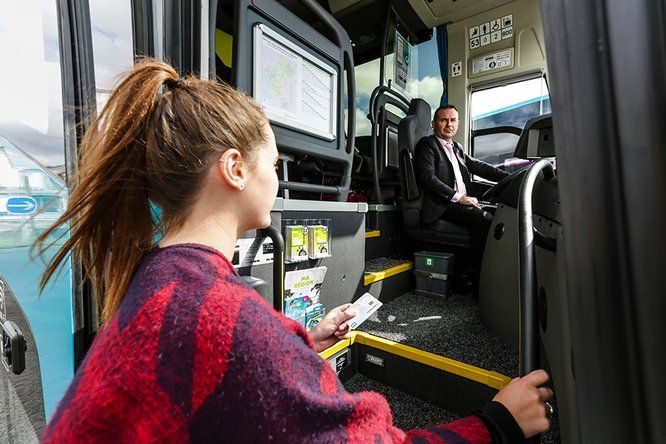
(487, 101)
(31, 115)
(30, 91)
(112, 40)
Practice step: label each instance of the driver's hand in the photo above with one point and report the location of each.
(469, 201)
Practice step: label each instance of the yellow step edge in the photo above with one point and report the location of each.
(487, 377)
(369, 278)
(341, 345)
(373, 233)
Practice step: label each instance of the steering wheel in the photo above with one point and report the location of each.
(493, 194)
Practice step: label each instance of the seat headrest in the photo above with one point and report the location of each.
(421, 110)
(415, 125)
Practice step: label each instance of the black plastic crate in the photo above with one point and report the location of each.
(432, 273)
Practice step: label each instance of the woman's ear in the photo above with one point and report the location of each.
(233, 169)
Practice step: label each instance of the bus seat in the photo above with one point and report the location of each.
(414, 126)
(387, 161)
(536, 140)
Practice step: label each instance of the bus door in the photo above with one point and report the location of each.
(33, 194)
(61, 60)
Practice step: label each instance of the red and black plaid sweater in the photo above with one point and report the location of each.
(193, 355)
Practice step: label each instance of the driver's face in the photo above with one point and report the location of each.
(446, 124)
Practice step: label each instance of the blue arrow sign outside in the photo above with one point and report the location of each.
(21, 205)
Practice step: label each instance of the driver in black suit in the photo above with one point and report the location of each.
(443, 169)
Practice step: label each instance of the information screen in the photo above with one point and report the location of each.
(292, 86)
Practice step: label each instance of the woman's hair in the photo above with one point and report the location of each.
(153, 142)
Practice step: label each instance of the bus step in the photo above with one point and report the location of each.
(387, 278)
(447, 327)
(451, 329)
(408, 411)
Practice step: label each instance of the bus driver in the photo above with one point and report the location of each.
(443, 171)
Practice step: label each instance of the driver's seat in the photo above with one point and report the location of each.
(414, 126)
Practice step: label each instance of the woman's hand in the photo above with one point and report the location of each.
(332, 328)
(526, 400)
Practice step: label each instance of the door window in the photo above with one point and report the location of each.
(32, 188)
(30, 82)
(113, 47)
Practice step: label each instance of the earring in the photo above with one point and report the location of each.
(242, 185)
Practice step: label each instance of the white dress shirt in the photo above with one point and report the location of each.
(459, 184)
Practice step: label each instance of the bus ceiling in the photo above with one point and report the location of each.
(435, 13)
(365, 20)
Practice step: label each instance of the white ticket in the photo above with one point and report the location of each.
(365, 306)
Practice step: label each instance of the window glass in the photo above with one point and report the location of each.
(366, 78)
(32, 191)
(30, 85)
(428, 79)
(496, 148)
(113, 46)
(424, 80)
(507, 105)
(510, 105)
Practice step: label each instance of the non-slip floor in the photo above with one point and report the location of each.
(450, 328)
(447, 327)
(413, 413)
(381, 264)
(408, 412)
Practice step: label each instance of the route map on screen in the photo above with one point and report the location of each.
(293, 87)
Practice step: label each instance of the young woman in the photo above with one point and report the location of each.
(187, 352)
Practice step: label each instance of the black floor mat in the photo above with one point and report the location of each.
(382, 263)
(413, 413)
(408, 412)
(450, 328)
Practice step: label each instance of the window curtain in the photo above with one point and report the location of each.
(442, 50)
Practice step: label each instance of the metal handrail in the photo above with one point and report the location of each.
(529, 333)
(278, 264)
(309, 187)
(382, 90)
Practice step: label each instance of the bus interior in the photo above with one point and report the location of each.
(566, 96)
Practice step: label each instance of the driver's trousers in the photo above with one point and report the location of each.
(478, 222)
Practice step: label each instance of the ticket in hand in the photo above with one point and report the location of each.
(365, 306)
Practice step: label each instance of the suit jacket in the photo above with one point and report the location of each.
(436, 178)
